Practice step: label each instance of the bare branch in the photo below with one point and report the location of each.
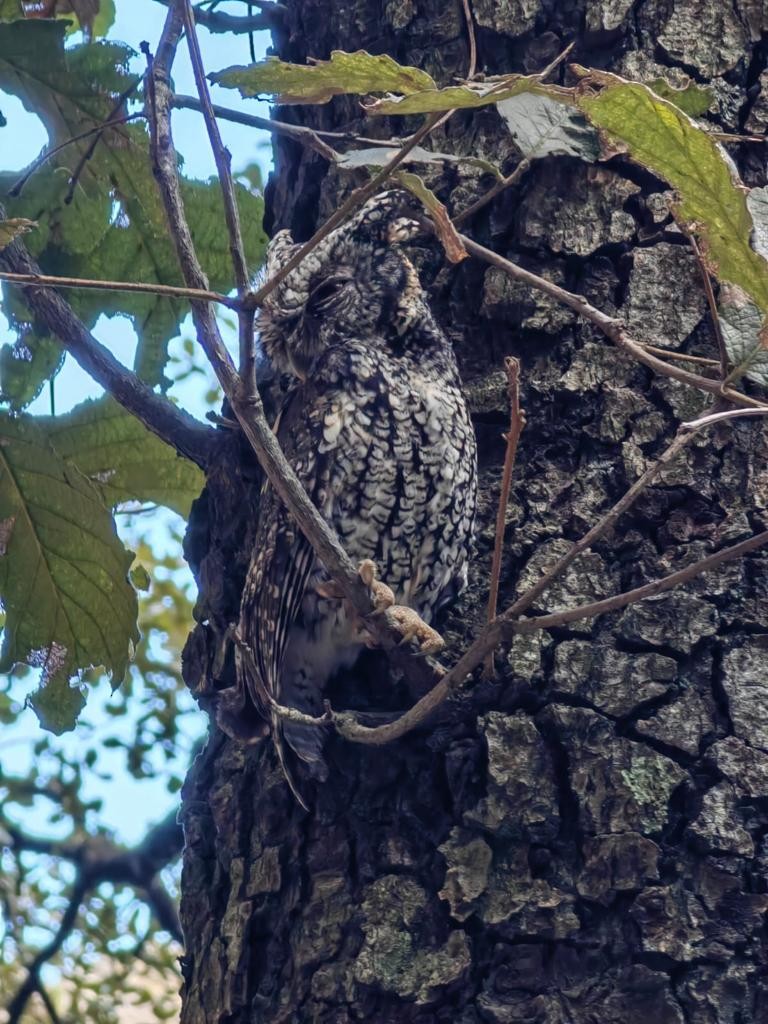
(165, 167)
(492, 192)
(604, 525)
(612, 327)
(611, 604)
(516, 424)
(170, 423)
(221, 155)
(170, 291)
(719, 417)
(219, 21)
(306, 136)
(31, 983)
(707, 282)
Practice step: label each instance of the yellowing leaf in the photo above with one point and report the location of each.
(12, 228)
(692, 99)
(712, 202)
(444, 229)
(63, 576)
(359, 73)
(124, 460)
(453, 97)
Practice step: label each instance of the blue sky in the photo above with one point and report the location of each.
(129, 805)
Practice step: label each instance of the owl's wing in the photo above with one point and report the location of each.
(283, 560)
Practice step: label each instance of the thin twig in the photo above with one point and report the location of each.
(86, 156)
(167, 290)
(492, 192)
(165, 169)
(521, 168)
(309, 137)
(223, 158)
(170, 423)
(707, 282)
(221, 155)
(512, 437)
(604, 524)
(719, 417)
(351, 203)
(219, 21)
(42, 991)
(30, 984)
(612, 604)
(347, 725)
(472, 41)
(681, 357)
(612, 327)
(16, 189)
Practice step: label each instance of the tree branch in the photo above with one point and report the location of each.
(168, 290)
(219, 21)
(516, 424)
(172, 425)
(611, 604)
(611, 327)
(223, 161)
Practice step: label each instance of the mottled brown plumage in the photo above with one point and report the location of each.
(378, 432)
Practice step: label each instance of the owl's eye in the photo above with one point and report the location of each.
(322, 297)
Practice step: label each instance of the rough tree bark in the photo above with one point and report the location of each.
(585, 837)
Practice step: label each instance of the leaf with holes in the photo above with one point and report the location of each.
(359, 73)
(124, 460)
(26, 365)
(63, 575)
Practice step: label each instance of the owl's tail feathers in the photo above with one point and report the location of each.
(299, 747)
(307, 742)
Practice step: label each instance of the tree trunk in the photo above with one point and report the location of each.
(582, 839)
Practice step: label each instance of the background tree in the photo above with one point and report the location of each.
(579, 835)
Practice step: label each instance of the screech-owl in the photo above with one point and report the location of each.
(377, 429)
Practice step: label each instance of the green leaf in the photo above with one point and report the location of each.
(741, 323)
(140, 578)
(712, 202)
(115, 226)
(359, 73)
(123, 459)
(542, 126)
(26, 365)
(12, 228)
(63, 571)
(11, 10)
(694, 100)
(57, 704)
(444, 229)
(457, 96)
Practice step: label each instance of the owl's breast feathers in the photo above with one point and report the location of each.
(379, 434)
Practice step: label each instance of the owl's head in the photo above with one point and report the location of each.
(356, 283)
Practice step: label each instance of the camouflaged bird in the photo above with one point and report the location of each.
(377, 430)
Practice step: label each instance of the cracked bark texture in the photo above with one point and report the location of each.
(585, 838)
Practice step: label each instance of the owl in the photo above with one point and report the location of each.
(376, 427)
